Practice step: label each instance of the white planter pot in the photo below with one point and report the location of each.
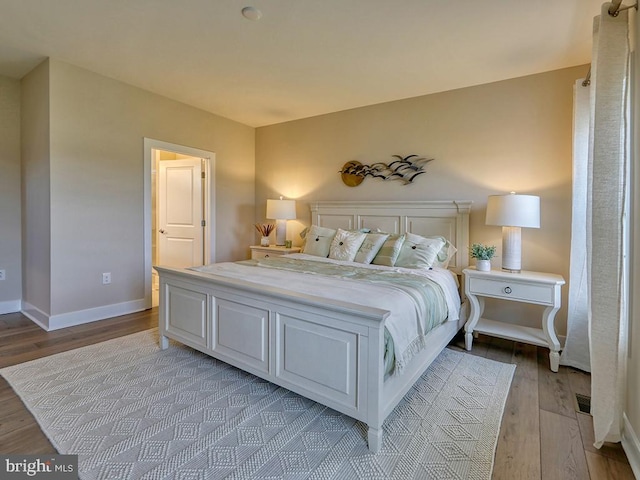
(483, 265)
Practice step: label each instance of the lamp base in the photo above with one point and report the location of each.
(281, 232)
(511, 249)
(509, 270)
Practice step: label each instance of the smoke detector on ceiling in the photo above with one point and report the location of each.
(251, 13)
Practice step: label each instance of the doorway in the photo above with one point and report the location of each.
(179, 187)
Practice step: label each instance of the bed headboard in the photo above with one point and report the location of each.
(449, 219)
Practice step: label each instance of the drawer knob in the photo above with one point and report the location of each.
(507, 290)
(266, 256)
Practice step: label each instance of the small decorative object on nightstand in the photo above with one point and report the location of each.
(265, 230)
(528, 287)
(258, 252)
(483, 255)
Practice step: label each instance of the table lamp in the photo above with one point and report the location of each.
(281, 211)
(512, 212)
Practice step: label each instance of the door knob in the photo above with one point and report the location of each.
(162, 230)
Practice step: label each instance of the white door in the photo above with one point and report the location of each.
(180, 213)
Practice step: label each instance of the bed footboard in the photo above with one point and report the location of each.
(328, 351)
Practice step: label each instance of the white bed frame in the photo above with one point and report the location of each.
(326, 350)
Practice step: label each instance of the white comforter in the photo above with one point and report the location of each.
(404, 323)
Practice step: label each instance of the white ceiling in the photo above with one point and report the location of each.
(303, 57)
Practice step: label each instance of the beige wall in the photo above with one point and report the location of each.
(11, 288)
(36, 216)
(493, 138)
(96, 180)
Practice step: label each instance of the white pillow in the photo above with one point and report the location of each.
(372, 244)
(445, 254)
(318, 241)
(345, 245)
(419, 252)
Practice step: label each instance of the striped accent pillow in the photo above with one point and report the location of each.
(390, 250)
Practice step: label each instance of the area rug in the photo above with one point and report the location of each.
(133, 411)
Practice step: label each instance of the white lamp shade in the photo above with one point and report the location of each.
(281, 209)
(513, 210)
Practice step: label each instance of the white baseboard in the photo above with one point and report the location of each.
(10, 306)
(36, 315)
(55, 322)
(631, 446)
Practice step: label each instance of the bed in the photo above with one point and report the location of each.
(333, 350)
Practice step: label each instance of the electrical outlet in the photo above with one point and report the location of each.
(3, 275)
(106, 278)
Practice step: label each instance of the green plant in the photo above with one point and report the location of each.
(482, 252)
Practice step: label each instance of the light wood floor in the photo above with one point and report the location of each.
(542, 435)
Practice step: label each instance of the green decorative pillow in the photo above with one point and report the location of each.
(318, 241)
(345, 245)
(390, 250)
(419, 252)
(372, 244)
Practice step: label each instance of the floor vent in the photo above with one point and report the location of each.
(584, 403)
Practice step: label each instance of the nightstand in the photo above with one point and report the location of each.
(527, 287)
(258, 252)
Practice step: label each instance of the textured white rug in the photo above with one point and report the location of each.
(130, 411)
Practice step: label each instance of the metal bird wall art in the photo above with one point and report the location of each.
(405, 169)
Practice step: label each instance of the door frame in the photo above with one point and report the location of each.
(209, 158)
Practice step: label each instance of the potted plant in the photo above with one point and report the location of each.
(483, 255)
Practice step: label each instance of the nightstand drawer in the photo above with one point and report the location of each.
(258, 252)
(542, 294)
(257, 255)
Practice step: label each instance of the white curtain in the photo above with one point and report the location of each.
(576, 348)
(607, 223)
